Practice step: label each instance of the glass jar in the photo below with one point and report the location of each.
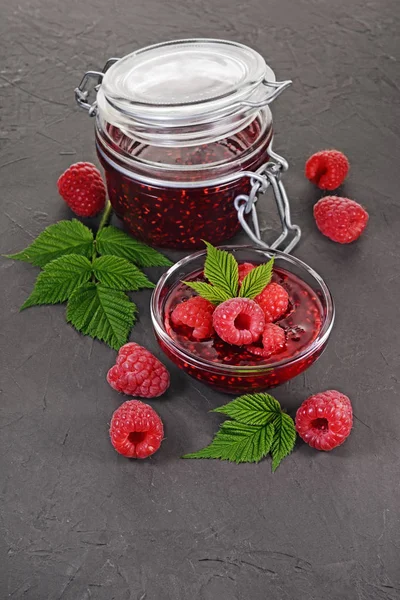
(183, 129)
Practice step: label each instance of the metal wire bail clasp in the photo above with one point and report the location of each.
(268, 175)
(83, 91)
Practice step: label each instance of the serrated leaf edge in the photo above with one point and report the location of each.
(208, 291)
(229, 285)
(218, 440)
(158, 259)
(24, 256)
(36, 296)
(277, 461)
(243, 293)
(145, 281)
(255, 397)
(130, 319)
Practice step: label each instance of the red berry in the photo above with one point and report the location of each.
(244, 269)
(138, 372)
(136, 430)
(324, 421)
(274, 300)
(340, 219)
(327, 169)
(239, 321)
(197, 314)
(273, 341)
(83, 189)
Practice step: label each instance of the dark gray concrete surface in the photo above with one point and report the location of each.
(79, 522)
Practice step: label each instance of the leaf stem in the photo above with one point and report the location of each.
(94, 254)
(106, 216)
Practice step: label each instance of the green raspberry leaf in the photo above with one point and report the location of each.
(210, 292)
(238, 442)
(255, 281)
(111, 240)
(259, 427)
(120, 274)
(64, 237)
(284, 438)
(59, 279)
(253, 409)
(102, 313)
(221, 269)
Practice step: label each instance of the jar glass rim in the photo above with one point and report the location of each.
(319, 342)
(263, 121)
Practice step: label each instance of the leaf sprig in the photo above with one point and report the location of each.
(92, 273)
(258, 427)
(222, 271)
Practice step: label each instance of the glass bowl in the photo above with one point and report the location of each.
(242, 378)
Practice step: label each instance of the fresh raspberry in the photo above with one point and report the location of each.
(273, 341)
(324, 421)
(239, 321)
(138, 373)
(136, 430)
(274, 300)
(244, 269)
(197, 314)
(327, 169)
(340, 219)
(83, 189)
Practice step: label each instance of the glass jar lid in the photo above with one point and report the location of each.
(189, 77)
(183, 92)
(186, 80)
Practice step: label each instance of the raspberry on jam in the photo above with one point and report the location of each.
(196, 314)
(239, 321)
(273, 341)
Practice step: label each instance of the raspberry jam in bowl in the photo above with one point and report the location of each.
(307, 324)
(181, 127)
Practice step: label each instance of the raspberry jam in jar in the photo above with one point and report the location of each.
(181, 127)
(307, 325)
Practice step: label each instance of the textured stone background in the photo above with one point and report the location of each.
(80, 522)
